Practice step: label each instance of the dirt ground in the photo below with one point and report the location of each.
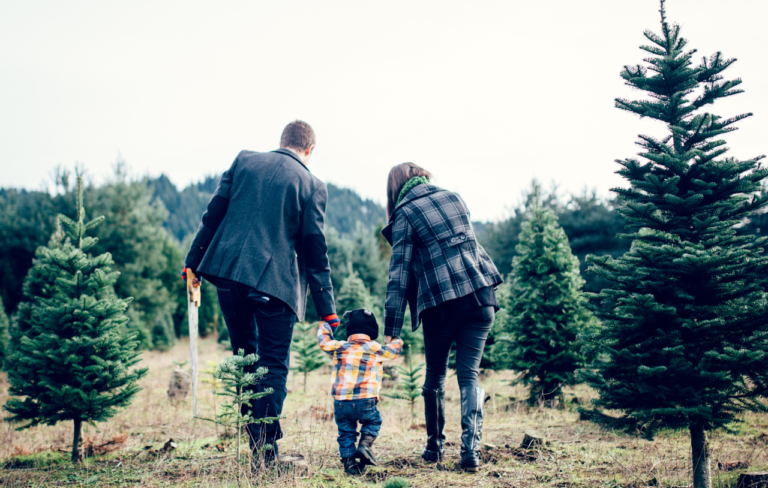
(128, 450)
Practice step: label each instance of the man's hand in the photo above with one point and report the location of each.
(195, 281)
(387, 339)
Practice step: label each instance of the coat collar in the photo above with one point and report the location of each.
(418, 191)
(292, 154)
(359, 338)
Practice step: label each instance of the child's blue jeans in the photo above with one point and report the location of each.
(347, 414)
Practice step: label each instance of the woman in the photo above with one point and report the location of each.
(448, 280)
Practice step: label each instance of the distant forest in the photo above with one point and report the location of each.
(150, 223)
(345, 207)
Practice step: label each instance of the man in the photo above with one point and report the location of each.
(261, 242)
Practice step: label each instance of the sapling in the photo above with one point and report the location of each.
(409, 387)
(310, 357)
(234, 385)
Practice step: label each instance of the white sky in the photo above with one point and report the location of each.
(485, 94)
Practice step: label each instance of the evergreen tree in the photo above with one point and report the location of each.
(353, 295)
(231, 375)
(134, 236)
(547, 312)
(5, 338)
(685, 337)
(309, 356)
(409, 387)
(163, 335)
(72, 363)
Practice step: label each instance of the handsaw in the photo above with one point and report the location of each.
(193, 299)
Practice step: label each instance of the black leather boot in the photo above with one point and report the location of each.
(351, 466)
(434, 415)
(364, 455)
(472, 400)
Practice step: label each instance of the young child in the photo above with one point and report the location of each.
(356, 384)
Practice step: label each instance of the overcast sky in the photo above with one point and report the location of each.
(485, 94)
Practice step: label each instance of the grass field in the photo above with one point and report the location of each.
(579, 454)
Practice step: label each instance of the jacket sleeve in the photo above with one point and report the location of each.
(391, 350)
(326, 340)
(212, 217)
(399, 275)
(315, 253)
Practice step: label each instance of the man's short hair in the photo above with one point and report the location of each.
(298, 135)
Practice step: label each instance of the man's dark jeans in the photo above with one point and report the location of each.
(347, 414)
(264, 329)
(470, 330)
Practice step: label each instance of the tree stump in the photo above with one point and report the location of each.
(179, 386)
(532, 440)
(758, 479)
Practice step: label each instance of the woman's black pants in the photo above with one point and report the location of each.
(470, 330)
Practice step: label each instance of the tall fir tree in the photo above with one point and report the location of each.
(5, 338)
(72, 362)
(685, 340)
(545, 313)
(309, 357)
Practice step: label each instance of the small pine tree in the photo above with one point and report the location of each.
(72, 363)
(163, 335)
(409, 387)
(685, 341)
(309, 356)
(234, 380)
(5, 338)
(547, 314)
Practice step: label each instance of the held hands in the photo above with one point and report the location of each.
(387, 339)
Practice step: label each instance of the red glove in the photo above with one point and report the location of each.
(333, 320)
(184, 274)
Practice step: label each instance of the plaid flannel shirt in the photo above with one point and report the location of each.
(435, 255)
(356, 371)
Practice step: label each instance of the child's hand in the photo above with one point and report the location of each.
(387, 339)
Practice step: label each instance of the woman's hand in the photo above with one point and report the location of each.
(387, 339)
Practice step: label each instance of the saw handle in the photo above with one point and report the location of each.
(193, 284)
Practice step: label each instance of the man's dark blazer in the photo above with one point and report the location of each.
(264, 228)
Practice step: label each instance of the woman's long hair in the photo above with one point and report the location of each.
(396, 180)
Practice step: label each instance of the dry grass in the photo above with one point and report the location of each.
(579, 454)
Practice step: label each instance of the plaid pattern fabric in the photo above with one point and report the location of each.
(435, 255)
(356, 371)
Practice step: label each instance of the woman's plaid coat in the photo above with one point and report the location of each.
(435, 255)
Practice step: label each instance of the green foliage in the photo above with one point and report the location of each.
(133, 235)
(184, 207)
(309, 357)
(685, 341)
(353, 295)
(71, 361)
(409, 386)
(396, 482)
(346, 210)
(539, 329)
(590, 223)
(5, 337)
(163, 335)
(236, 386)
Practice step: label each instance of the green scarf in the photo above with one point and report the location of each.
(416, 180)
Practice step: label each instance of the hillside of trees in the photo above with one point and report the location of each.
(150, 223)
